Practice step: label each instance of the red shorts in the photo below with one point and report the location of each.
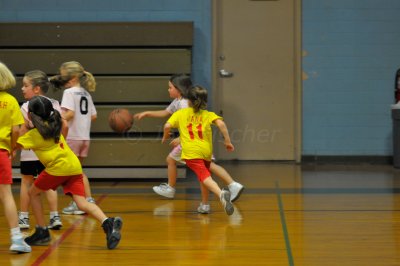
(200, 167)
(5, 168)
(72, 184)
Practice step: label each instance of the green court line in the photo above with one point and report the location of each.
(284, 227)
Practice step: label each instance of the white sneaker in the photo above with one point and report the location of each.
(19, 245)
(91, 200)
(225, 199)
(23, 222)
(203, 208)
(236, 189)
(72, 209)
(165, 190)
(55, 223)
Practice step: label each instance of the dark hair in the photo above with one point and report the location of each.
(197, 95)
(181, 82)
(39, 78)
(45, 118)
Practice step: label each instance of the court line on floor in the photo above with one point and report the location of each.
(284, 227)
(72, 228)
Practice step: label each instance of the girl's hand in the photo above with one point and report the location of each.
(175, 142)
(229, 146)
(13, 154)
(164, 139)
(139, 116)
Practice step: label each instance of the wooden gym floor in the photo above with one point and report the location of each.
(288, 215)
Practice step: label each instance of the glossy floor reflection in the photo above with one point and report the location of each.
(288, 215)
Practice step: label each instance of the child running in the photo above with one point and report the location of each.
(62, 168)
(177, 87)
(194, 125)
(35, 83)
(78, 109)
(10, 119)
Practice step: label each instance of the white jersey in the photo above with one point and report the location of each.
(79, 101)
(177, 104)
(29, 155)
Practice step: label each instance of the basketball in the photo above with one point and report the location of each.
(120, 120)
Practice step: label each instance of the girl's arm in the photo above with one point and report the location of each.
(67, 114)
(64, 127)
(156, 114)
(167, 129)
(14, 137)
(224, 130)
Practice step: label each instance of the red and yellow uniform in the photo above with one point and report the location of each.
(195, 134)
(10, 116)
(62, 167)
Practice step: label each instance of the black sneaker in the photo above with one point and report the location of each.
(112, 227)
(41, 237)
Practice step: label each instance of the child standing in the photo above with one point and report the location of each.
(35, 83)
(78, 109)
(194, 125)
(178, 85)
(10, 119)
(62, 168)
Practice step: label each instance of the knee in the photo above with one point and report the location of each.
(170, 161)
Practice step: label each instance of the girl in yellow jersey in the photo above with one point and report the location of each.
(194, 125)
(10, 120)
(62, 168)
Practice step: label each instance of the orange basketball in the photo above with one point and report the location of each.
(120, 120)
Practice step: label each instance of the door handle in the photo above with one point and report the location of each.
(225, 74)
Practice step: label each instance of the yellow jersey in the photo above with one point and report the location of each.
(10, 116)
(195, 132)
(58, 158)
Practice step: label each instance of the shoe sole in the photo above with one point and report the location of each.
(228, 204)
(116, 234)
(23, 226)
(74, 212)
(20, 250)
(170, 197)
(55, 227)
(238, 195)
(39, 243)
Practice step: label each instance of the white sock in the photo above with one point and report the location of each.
(52, 214)
(24, 214)
(15, 232)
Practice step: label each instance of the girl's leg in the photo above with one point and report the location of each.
(223, 195)
(111, 226)
(172, 172)
(88, 192)
(210, 184)
(10, 208)
(26, 183)
(204, 206)
(51, 196)
(204, 194)
(89, 208)
(55, 219)
(34, 194)
(235, 188)
(168, 190)
(221, 173)
(24, 199)
(10, 211)
(41, 236)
